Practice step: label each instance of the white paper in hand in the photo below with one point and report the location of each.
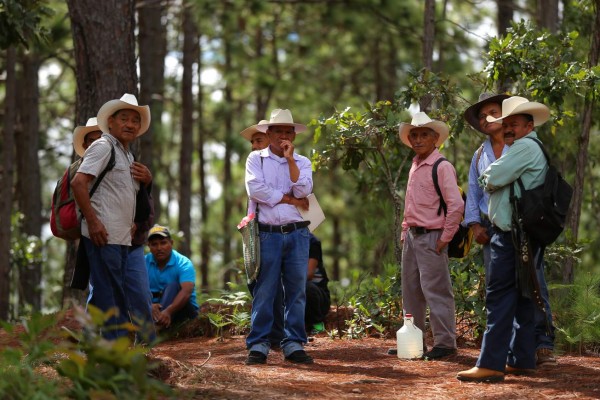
(314, 214)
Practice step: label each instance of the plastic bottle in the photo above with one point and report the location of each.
(409, 339)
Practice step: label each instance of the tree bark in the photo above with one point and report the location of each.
(152, 44)
(105, 66)
(205, 243)
(582, 152)
(505, 15)
(547, 14)
(227, 179)
(28, 172)
(427, 51)
(6, 181)
(190, 51)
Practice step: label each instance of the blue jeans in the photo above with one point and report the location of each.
(544, 328)
(276, 335)
(107, 284)
(283, 260)
(168, 295)
(509, 335)
(137, 291)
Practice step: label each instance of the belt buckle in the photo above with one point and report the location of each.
(419, 230)
(287, 228)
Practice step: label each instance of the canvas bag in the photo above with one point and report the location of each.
(460, 245)
(543, 209)
(65, 221)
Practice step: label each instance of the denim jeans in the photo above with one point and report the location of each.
(283, 260)
(186, 312)
(276, 335)
(107, 284)
(137, 292)
(509, 335)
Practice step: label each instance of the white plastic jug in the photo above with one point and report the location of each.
(409, 339)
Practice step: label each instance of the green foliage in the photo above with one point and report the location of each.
(576, 310)
(107, 369)
(18, 364)
(93, 366)
(20, 22)
(232, 310)
(468, 281)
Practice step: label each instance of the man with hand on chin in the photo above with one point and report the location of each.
(275, 177)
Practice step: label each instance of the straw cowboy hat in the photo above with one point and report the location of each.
(281, 117)
(421, 120)
(251, 130)
(79, 135)
(126, 102)
(472, 113)
(520, 105)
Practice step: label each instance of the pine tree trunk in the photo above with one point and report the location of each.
(187, 130)
(28, 171)
(105, 69)
(6, 181)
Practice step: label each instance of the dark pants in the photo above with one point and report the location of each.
(509, 335)
(185, 313)
(317, 304)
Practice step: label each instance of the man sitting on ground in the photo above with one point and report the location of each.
(172, 280)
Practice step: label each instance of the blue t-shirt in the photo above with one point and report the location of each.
(179, 269)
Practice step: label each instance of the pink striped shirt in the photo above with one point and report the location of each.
(421, 202)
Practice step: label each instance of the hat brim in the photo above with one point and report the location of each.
(539, 112)
(470, 113)
(79, 136)
(112, 106)
(297, 127)
(249, 132)
(161, 234)
(439, 127)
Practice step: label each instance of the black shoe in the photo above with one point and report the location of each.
(392, 351)
(299, 357)
(256, 357)
(438, 352)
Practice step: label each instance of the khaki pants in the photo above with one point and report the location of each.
(426, 282)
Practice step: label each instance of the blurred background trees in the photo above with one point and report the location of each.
(353, 69)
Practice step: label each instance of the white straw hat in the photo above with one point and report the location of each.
(281, 117)
(421, 120)
(251, 130)
(79, 135)
(126, 102)
(520, 105)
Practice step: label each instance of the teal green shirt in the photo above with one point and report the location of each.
(524, 159)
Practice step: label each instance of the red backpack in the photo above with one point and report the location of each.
(65, 221)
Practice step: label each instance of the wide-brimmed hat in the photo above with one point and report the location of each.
(158, 230)
(251, 130)
(421, 120)
(520, 105)
(472, 113)
(281, 117)
(126, 102)
(79, 135)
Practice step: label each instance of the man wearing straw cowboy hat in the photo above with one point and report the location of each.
(426, 233)
(108, 217)
(509, 340)
(274, 176)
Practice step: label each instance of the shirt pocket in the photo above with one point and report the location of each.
(426, 196)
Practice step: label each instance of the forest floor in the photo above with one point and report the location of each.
(204, 367)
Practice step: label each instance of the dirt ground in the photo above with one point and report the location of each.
(212, 368)
(206, 368)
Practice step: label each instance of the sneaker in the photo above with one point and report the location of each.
(256, 357)
(438, 352)
(299, 357)
(544, 357)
